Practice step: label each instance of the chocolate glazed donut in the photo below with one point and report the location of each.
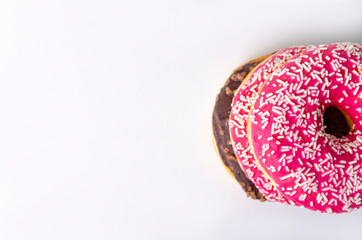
(220, 119)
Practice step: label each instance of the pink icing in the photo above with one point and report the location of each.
(242, 103)
(310, 167)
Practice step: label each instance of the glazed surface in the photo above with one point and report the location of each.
(242, 103)
(310, 167)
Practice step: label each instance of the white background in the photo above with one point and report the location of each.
(105, 117)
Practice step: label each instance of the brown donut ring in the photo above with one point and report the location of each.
(220, 127)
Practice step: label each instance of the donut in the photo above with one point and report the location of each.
(288, 126)
(220, 126)
(305, 128)
(242, 102)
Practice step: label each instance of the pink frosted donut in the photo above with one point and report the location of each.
(242, 102)
(307, 165)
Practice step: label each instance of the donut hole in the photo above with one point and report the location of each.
(336, 122)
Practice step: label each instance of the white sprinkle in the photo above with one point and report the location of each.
(276, 111)
(323, 161)
(352, 162)
(317, 167)
(306, 68)
(282, 157)
(355, 72)
(345, 93)
(287, 176)
(333, 66)
(356, 90)
(302, 197)
(300, 161)
(349, 184)
(326, 173)
(280, 82)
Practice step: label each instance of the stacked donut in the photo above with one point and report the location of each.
(289, 127)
